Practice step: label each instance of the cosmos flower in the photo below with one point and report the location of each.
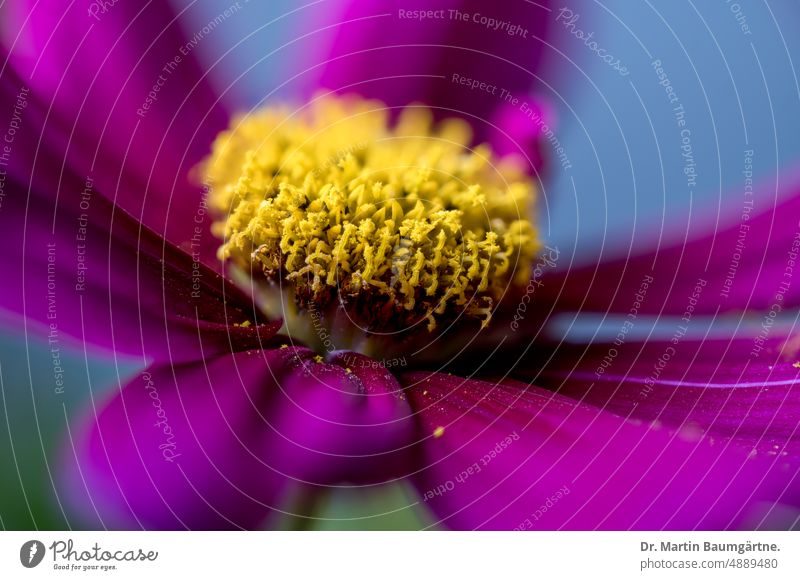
(383, 307)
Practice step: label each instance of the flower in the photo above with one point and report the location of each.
(231, 417)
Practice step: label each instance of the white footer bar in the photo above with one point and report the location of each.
(406, 555)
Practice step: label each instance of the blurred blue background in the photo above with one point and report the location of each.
(625, 188)
(739, 91)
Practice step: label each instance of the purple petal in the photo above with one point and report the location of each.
(379, 53)
(345, 420)
(88, 271)
(739, 388)
(219, 444)
(511, 457)
(517, 133)
(747, 266)
(126, 103)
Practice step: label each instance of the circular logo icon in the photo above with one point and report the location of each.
(31, 553)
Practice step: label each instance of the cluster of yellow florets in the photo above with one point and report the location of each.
(401, 222)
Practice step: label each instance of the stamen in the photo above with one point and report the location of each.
(399, 223)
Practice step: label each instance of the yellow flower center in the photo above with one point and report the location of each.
(394, 223)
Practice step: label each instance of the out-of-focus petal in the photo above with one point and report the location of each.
(345, 420)
(748, 265)
(125, 100)
(516, 132)
(740, 388)
(218, 444)
(87, 271)
(384, 50)
(510, 457)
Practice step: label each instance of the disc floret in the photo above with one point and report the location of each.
(396, 223)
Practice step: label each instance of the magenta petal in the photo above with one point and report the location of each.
(126, 102)
(747, 265)
(714, 386)
(516, 134)
(179, 450)
(425, 54)
(510, 457)
(218, 444)
(343, 421)
(88, 271)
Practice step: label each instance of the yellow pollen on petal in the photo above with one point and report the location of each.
(402, 221)
(438, 432)
(796, 365)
